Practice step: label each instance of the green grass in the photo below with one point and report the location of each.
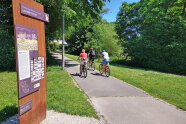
(62, 94)
(169, 87)
(8, 95)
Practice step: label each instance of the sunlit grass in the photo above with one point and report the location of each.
(8, 95)
(62, 94)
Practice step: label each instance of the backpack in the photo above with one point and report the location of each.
(92, 53)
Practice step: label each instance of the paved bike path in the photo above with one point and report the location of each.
(121, 103)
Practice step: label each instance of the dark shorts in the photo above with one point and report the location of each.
(91, 58)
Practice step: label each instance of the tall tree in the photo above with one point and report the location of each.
(78, 13)
(161, 41)
(6, 18)
(128, 20)
(103, 37)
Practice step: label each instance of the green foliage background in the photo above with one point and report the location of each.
(7, 52)
(78, 15)
(103, 37)
(153, 34)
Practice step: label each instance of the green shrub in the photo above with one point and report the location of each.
(7, 52)
(165, 51)
(54, 46)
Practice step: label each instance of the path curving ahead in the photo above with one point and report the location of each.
(121, 103)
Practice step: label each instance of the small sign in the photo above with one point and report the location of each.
(32, 12)
(25, 107)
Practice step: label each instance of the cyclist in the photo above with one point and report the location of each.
(106, 60)
(91, 55)
(83, 56)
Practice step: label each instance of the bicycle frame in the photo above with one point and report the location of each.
(105, 69)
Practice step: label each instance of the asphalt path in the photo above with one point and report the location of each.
(121, 103)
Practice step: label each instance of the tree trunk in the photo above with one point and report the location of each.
(183, 12)
(166, 6)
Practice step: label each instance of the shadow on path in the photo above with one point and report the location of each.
(76, 74)
(8, 112)
(96, 74)
(68, 64)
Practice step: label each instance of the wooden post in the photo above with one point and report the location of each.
(35, 100)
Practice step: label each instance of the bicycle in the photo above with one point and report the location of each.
(106, 70)
(91, 64)
(84, 69)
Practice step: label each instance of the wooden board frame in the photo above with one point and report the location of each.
(38, 111)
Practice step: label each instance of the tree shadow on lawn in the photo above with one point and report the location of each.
(8, 69)
(68, 65)
(133, 65)
(8, 112)
(51, 61)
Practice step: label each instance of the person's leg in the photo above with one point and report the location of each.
(93, 58)
(107, 62)
(103, 67)
(82, 62)
(90, 59)
(85, 63)
(80, 68)
(104, 63)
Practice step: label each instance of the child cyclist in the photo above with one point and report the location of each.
(83, 57)
(106, 60)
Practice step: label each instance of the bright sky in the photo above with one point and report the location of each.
(114, 6)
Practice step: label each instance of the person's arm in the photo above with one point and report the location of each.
(100, 57)
(88, 54)
(79, 57)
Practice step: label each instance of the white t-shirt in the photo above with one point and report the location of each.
(105, 55)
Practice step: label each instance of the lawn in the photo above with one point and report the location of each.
(169, 87)
(8, 95)
(62, 94)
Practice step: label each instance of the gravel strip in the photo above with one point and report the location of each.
(62, 118)
(58, 118)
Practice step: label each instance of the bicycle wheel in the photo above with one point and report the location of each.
(93, 66)
(88, 65)
(85, 72)
(107, 71)
(101, 69)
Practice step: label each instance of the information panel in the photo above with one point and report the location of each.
(30, 66)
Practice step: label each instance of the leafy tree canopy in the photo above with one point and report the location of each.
(103, 37)
(153, 32)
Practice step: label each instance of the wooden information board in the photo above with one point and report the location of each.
(29, 30)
